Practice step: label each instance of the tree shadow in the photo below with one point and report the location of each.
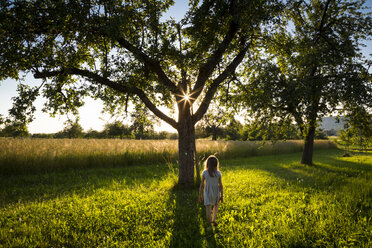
(189, 227)
(332, 170)
(186, 225)
(81, 182)
(350, 168)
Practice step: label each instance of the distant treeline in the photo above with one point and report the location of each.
(93, 134)
(234, 130)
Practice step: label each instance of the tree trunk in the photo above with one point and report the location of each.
(186, 146)
(214, 133)
(307, 155)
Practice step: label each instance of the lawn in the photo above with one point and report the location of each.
(270, 201)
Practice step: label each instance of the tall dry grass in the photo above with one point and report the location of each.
(19, 156)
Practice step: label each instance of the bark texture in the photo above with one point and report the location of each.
(186, 148)
(307, 154)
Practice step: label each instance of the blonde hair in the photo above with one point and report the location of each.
(211, 164)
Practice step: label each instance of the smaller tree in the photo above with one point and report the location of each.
(358, 129)
(233, 130)
(72, 130)
(94, 134)
(162, 135)
(117, 129)
(142, 122)
(15, 129)
(21, 113)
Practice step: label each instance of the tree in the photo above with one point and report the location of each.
(72, 130)
(117, 129)
(345, 136)
(233, 130)
(142, 122)
(94, 134)
(358, 129)
(311, 68)
(15, 129)
(21, 112)
(124, 50)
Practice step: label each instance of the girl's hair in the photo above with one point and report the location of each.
(212, 165)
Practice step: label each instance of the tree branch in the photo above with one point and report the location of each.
(207, 68)
(150, 63)
(85, 73)
(322, 21)
(154, 109)
(113, 85)
(230, 69)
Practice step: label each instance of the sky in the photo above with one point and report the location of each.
(90, 114)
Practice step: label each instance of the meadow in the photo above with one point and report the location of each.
(271, 200)
(23, 156)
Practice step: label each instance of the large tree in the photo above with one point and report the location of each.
(309, 67)
(119, 50)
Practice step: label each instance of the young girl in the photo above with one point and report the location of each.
(213, 190)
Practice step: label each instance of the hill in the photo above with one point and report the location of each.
(330, 123)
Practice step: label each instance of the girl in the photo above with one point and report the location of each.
(213, 191)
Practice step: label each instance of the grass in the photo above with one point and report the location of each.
(23, 156)
(270, 201)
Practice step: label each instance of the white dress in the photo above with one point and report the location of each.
(211, 189)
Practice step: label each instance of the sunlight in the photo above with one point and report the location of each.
(186, 97)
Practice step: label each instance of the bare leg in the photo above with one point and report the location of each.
(208, 213)
(215, 209)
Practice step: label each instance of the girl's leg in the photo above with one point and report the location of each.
(215, 209)
(208, 213)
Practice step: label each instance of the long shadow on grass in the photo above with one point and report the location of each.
(83, 182)
(350, 168)
(189, 229)
(328, 169)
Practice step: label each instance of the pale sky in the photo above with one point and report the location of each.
(90, 114)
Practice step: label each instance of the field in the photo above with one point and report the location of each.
(271, 200)
(22, 156)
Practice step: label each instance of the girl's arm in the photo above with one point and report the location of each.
(221, 189)
(201, 188)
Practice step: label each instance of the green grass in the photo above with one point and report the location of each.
(270, 201)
